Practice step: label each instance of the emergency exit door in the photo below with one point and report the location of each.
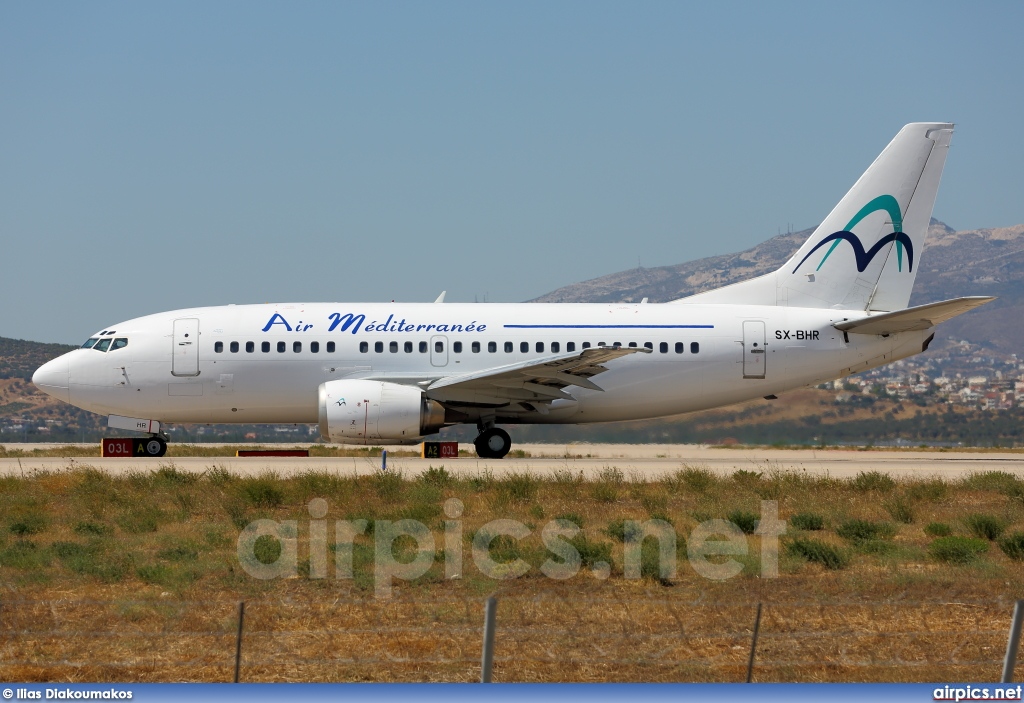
(185, 354)
(755, 355)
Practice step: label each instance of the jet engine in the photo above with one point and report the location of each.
(367, 412)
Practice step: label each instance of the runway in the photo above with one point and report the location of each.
(647, 461)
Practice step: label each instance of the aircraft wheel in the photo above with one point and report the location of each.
(494, 443)
(156, 447)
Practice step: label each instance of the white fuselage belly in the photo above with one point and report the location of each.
(801, 348)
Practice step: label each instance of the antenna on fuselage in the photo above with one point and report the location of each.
(440, 298)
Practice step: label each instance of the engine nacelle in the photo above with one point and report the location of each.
(367, 412)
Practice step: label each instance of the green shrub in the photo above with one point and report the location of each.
(262, 492)
(957, 550)
(592, 553)
(814, 550)
(92, 529)
(1013, 545)
(573, 518)
(747, 522)
(388, 485)
(518, 487)
(998, 481)
(139, 518)
(267, 549)
(900, 510)
(985, 526)
(24, 554)
(439, 476)
(178, 552)
(811, 522)
(695, 479)
(938, 529)
(861, 530)
(624, 530)
(932, 489)
(604, 492)
(29, 524)
(169, 474)
(867, 481)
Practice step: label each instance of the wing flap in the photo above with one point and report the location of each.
(542, 379)
(913, 319)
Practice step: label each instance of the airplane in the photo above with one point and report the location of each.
(392, 373)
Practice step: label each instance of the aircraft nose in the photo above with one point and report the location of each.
(52, 378)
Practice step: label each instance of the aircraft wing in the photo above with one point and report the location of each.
(913, 319)
(537, 380)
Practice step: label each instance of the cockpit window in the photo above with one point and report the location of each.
(119, 343)
(89, 342)
(102, 345)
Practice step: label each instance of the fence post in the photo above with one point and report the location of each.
(487, 660)
(238, 640)
(383, 459)
(753, 645)
(1014, 642)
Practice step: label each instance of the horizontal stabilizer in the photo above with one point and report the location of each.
(913, 319)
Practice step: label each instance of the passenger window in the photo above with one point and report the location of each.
(632, 344)
(330, 347)
(601, 344)
(679, 347)
(265, 346)
(476, 347)
(570, 346)
(314, 347)
(234, 347)
(586, 345)
(423, 347)
(508, 347)
(89, 342)
(218, 347)
(119, 343)
(250, 347)
(281, 347)
(408, 347)
(492, 347)
(555, 347)
(540, 347)
(296, 347)
(457, 347)
(102, 345)
(617, 345)
(649, 345)
(524, 347)
(694, 348)
(378, 347)
(439, 347)
(393, 347)
(364, 347)
(663, 347)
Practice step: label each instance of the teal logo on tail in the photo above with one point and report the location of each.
(864, 257)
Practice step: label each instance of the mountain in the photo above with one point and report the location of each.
(954, 264)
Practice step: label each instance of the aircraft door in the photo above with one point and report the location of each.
(439, 350)
(185, 353)
(755, 353)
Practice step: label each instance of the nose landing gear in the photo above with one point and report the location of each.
(493, 443)
(155, 446)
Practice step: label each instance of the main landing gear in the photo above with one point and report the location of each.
(493, 443)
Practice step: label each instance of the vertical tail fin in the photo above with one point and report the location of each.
(866, 253)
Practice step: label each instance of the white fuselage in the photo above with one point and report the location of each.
(703, 356)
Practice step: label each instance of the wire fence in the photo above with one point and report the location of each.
(544, 637)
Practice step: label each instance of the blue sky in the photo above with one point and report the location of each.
(164, 155)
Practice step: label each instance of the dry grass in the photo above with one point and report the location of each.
(136, 578)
